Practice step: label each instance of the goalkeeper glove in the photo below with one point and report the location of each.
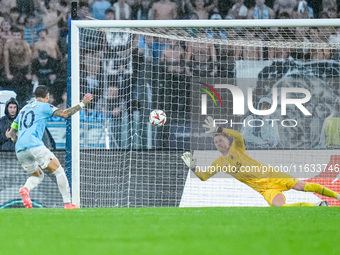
(189, 160)
(210, 125)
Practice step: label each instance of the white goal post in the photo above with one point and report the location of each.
(119, 159)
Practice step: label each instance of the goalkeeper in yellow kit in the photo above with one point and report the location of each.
(268, 181)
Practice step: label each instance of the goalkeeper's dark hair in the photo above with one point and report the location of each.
(226, 136)
(41, 91)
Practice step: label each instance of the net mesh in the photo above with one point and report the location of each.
(137, 70)
(174, 69)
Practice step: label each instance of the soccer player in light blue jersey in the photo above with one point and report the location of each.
(27, 131)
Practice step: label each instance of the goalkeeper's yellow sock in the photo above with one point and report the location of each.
(299, 204)
(322, 190)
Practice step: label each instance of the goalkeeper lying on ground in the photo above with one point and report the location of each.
(267, 181)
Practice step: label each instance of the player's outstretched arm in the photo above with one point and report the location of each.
(191, 163)
(70, 111)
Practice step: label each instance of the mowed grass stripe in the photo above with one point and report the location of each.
(173, 231)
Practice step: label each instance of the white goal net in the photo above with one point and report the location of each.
(191, 70)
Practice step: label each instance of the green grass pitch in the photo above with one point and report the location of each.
(171, 231)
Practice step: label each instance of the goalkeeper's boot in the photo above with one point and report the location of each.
(321, 203)
(70, 206)
(25, 195)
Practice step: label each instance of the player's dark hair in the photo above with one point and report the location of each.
(41, 91)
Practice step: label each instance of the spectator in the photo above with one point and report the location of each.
(318, 54)
(283, 7)
(52, 14)
(91, 71)
(260, 11)
(227, 54)
(111, 106)
(32, 27)
(87, 37)
(262, 132)
(65, 7)
(14, 16)
(329, 14)
(25, 7)
(219, 33)
(151, 48)
(303, 11)
(279, 52)
(184, 7)
(46, 44)
(45, 69)
(250, 52)
(334, 40)
(144, 11)
(17, 57)
(238, 10)
(330, 132)
(329, 9)
(173, 93)
(190, 30)
(301, 35)
(48, 71)
(17, 20)
(200, 9)
(99, 8)
(164, 10)
(145, 52)
(7, 5)
(2, 15)
(133, 4)
(63, 104)
(84, 11)
(122, 10)
(11, 112)
(6, 32)
(109, 14)
(201, 59)
(173, 58)
(205, 9)
(310, 10)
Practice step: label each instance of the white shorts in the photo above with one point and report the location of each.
(31, 159)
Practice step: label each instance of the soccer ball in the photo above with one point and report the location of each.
(157, 118)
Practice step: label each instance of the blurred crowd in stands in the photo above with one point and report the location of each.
(33, 34)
